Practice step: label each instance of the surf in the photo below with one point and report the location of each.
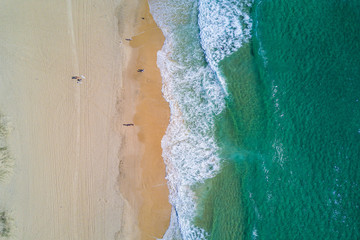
(196, 91)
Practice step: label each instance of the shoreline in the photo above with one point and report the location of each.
(145, 107)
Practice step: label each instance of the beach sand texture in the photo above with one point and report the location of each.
(74, 160)
(152, 117)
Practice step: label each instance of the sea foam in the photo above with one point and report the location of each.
(195, 95)
(225, 25)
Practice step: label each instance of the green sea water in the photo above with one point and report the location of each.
(290, 132)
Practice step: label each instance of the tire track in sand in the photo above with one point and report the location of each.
(76, 66)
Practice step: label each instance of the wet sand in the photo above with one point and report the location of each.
(150, 119)
(79, 173)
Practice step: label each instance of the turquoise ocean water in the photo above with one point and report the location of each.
(264, 136)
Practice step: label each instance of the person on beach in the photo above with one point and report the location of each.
(78, 79)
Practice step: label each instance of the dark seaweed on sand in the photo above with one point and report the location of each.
(6, 162)
(5, 224)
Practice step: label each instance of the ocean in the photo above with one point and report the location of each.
(264, 135)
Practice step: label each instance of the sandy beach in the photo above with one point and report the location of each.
(144, 107)
(79, 172)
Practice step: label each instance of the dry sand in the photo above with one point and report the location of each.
(67, 136)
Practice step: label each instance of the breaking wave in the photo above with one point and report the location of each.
(195, 42)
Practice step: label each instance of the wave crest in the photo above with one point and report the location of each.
(225, 25)
(196, 40)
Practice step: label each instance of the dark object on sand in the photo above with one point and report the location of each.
(140, 70)
(128, 124)
(142, 18)
(78, 79)
(128, 39)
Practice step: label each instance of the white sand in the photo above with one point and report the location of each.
(66, 135)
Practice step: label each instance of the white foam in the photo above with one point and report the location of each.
(254, 234)
(189, 148)
(195, 91)
(225, 25)
(195, 96)
(173, 232)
